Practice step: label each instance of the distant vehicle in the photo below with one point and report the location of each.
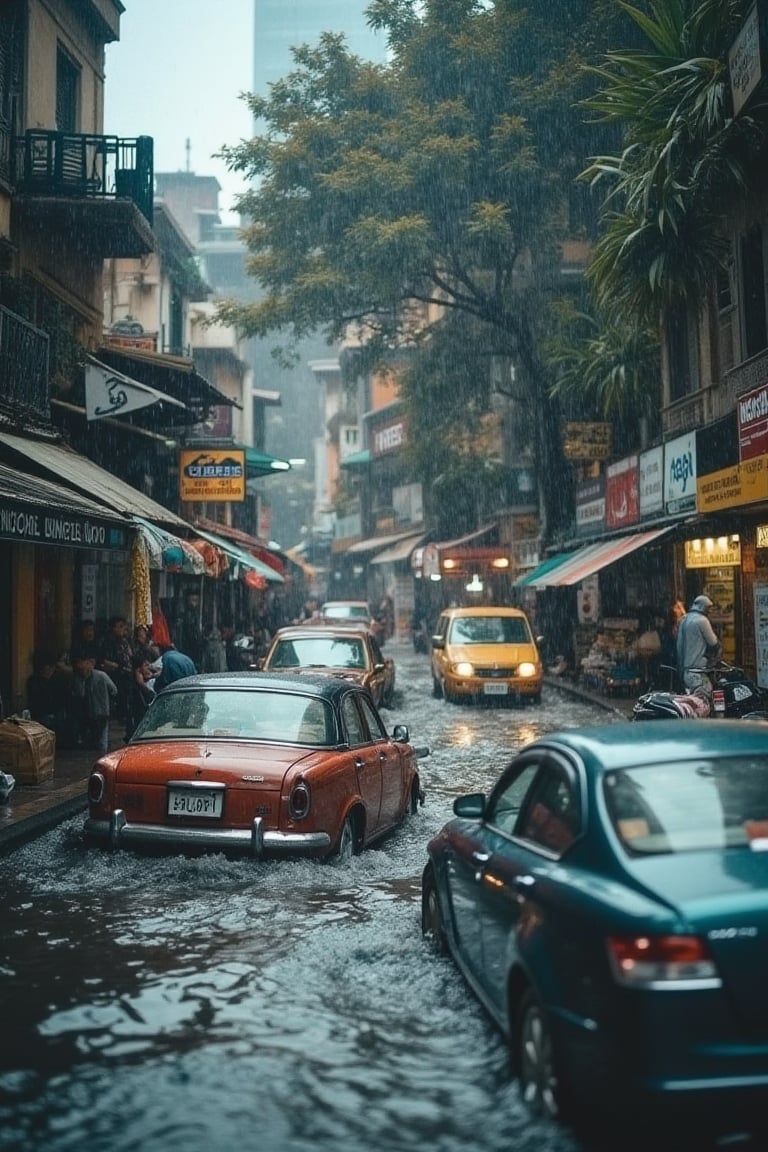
(608, 905)
(264, 765)
(485, 653)
(346, 610)
(347, 650)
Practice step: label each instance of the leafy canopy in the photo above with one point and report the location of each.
(443, 182)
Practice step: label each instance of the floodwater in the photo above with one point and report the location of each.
(204, 1005)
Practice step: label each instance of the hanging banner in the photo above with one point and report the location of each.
(109, 393)
(622, 505)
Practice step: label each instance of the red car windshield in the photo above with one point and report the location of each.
(223, 713)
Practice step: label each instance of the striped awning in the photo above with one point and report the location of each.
(595, 557)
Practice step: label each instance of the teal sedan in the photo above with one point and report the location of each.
(607, 903)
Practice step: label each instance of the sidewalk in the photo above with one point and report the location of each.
(34, 808)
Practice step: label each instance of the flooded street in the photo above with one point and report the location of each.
(210, 1004)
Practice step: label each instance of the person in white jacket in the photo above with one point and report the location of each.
(698, 646)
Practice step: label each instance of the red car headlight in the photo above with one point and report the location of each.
(661, 961)
(299, 801)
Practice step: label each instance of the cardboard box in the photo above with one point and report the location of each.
(27, 750)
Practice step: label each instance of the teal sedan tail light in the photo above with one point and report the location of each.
(657, 962)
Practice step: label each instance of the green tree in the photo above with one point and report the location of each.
(384, 197)
(684, 158)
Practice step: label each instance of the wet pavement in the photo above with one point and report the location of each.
(34, 808)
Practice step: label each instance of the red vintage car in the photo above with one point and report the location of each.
(257, 763)
(345, 649)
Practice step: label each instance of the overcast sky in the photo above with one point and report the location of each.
(176, 74)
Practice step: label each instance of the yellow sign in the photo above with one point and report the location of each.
(712, 552)
(211, 474)
(743, 483)
(588, 441)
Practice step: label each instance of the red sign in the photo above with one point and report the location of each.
(622, 493)
(752, 415)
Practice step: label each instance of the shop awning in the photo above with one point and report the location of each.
(258, 463)
(470, 538)
(356, 459)
(168, 553)
(595, 557)
(242, 558)
(258, 548)
(36, 511)
(400, 551)
(376, 543)
(546, 566)
(64, 466)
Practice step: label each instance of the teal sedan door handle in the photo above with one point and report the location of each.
(525, 882)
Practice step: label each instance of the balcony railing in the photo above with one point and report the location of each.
(24, 386)
(62, 164)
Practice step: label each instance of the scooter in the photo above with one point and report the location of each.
(734, 696)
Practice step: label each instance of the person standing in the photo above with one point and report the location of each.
(47, 692)
(141, 694)
(91, 698)
(698, 646)
(115, 659)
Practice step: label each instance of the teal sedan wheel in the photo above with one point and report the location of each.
(539, 1082)
(431, 917)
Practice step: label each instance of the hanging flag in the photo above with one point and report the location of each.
(109, 393)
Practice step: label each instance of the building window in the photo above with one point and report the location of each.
(681, 349)
(67, 92)
(727, 318)
(753, 291)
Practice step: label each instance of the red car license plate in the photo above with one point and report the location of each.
(195, 802)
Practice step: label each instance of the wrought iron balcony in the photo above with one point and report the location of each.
(101, 186)
(24, 386)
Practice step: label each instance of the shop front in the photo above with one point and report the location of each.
(62, 554)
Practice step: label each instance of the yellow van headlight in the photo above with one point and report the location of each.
(526, 669)
(464, 668)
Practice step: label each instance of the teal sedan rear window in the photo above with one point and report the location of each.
(690, 806)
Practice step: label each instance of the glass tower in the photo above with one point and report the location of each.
(281, 25)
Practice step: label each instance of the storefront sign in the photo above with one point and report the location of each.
(588, 600)
(713, 552)
(430, 563)
(680, 474)
(761, 536)
(38, 526)
(651, 483)
(752, 415)
(389, 437)
(761, 633)
(731, 487)
(212, 474)
(622, 506)
(590, 505)
(744, 61)
(588, 441)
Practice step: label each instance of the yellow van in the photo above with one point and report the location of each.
(483, 653)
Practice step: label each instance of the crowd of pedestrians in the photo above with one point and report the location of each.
(77, 695)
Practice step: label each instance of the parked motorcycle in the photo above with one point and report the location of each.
(734, 696)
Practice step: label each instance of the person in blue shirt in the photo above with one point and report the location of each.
(175, 666)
